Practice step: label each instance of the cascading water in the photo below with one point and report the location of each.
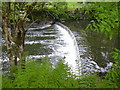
(58, 42)
(63, 45)
(70, 50)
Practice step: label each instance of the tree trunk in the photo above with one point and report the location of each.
(19, 42)
(14, 34)
(14, 43)
(7, 34)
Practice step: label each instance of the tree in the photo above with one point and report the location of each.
(14, 15)
(104, 17)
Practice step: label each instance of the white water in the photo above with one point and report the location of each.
(70, 50)
(41, 27)
(64, 46)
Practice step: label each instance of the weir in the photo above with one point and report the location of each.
(70, 50)
(62, 46)
(58, 42)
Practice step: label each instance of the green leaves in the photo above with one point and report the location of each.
(41, 75)
(114, 73)
(105, 17)
(94, 81)
(116, 54)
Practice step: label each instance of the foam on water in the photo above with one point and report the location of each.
(63, 46)
(70, 51)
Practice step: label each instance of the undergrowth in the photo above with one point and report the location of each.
(42, 75)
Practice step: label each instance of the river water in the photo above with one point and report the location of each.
(57, 42)
(94, 48)
(70, 41)
(91, 49)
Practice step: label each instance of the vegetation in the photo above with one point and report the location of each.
(111, 80)
(40, 74)
(57, 11)
(114, 73)
(93, 81)
(0, 80)
(104, 18)
(14, 16)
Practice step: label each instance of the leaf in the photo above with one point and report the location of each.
(110, 36)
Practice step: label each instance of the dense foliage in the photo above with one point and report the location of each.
(57, 11)
(40, 75)
(114, 73)
(104, 17)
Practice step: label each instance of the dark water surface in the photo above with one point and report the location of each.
(94, 48)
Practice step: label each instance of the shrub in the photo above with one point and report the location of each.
(114, 73)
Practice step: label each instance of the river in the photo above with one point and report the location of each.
(57, 43)
(70, 41)
(94, 47)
